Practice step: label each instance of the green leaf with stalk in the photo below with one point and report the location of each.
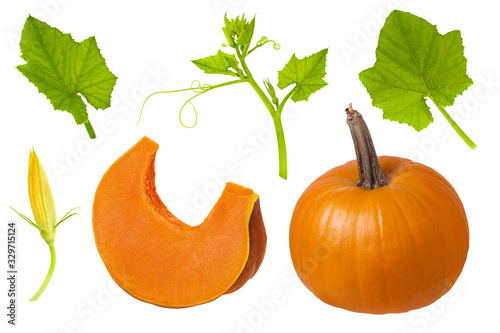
(414, 64)
(306, 76)
(66, 71)
(44, 212)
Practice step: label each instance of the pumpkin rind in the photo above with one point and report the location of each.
(387, 250)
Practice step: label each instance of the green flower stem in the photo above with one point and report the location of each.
(49, 274)
(455, 126)
(280, 135)
(90, 129)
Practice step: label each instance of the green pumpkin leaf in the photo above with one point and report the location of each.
(218, 64)
(415, 62)
(65, 70)
(306, 73)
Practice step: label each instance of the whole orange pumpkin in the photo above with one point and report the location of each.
(378, 235)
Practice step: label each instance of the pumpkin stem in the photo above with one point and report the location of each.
(369, 171)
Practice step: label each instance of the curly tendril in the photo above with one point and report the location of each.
(199, 88)
(196, 86)
(263, 40)
(195, 115)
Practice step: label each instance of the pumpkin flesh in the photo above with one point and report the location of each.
(157, 258)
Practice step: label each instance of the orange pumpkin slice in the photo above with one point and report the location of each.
(157, 258)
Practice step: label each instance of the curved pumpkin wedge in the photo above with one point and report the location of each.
(157, 258)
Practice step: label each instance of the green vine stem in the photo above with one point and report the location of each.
(280, 135)
(275, 114)
(455, 126)
(238, 33)
(49, 274)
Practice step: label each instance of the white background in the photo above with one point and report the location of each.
(140, 38)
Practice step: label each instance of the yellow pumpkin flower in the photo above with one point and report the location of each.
(44, 212)
(41, 200)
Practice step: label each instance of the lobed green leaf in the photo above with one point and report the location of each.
(63, 69)
(307, 73)
(218, 64)
(414, 62)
